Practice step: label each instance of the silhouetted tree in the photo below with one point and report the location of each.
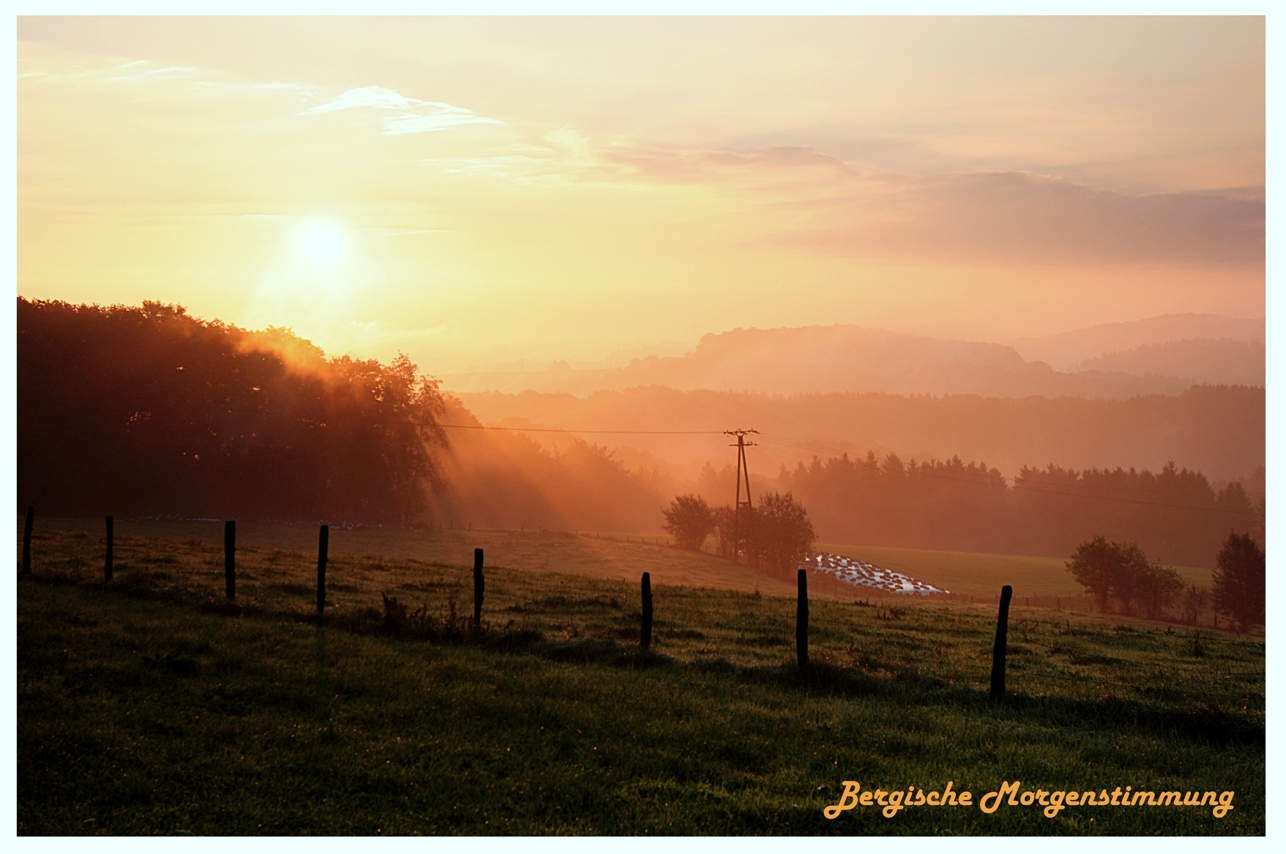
(1239, 581)
(1160, 589)
(725, 530)
(1095, 565)
(1122, 571)
(781, 534)
(690, 520)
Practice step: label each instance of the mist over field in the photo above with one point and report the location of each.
(149, 411)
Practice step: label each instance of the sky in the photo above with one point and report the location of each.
(486, 192)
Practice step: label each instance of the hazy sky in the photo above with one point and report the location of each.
(474, 191)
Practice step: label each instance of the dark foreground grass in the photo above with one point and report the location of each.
(152, 708)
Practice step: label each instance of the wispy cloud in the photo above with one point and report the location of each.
(399, 114)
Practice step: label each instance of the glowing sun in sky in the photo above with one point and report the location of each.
(323, 245)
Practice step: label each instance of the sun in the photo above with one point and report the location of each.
(323, 245)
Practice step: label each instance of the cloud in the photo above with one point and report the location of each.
(1018, 217)
(402, 115)
(677, 166)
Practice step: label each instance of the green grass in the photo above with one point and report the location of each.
(153, 707)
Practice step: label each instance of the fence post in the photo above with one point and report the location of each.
(645, 639)
(107, 559)
(26, 540)
(801, 621)
(998, 652)
(477, 588)
(230, 558)
(323, 544)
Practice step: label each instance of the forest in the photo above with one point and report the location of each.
(139, 411)
(1175, 515)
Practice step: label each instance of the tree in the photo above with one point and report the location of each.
(1239, 581)
(781, 534)
(1122, 571)
(725, 529)
(690, 520)
(1161, 587)
(1095, 565)
(1194, 602)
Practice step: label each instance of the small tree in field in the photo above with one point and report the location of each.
(1239, 581)
(1095, 565)
(689, 520)
(782, 534)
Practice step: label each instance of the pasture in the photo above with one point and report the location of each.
(151, 705)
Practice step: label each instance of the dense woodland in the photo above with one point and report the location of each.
(1174, 515)
(148, 411)
(139, 411)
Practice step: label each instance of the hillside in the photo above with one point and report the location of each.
(1218, 430)
(1200, 360)
(1069, 348)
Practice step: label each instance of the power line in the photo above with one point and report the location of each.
(564, 430)
(823, 448)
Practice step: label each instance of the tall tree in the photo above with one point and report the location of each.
(1239, 581)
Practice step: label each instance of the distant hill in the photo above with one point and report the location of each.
(1203, 360)
(1067, 349)
(825, 359)
(1218, 430)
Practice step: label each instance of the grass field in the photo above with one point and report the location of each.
(152, 706)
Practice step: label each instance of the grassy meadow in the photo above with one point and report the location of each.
(151, 705)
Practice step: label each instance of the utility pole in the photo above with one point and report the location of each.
(742, 471)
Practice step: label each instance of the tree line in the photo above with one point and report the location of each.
(146, 410)
(1121, 574)
(1175, 514)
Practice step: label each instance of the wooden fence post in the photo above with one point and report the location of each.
(26, 540)
(998, 651)
(107, 558)
(477, 588)
(230, 558)
(323, 544)
(801, 621)
(645, 639)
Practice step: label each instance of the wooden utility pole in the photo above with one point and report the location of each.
(26, 540)
(801, 621)
(645, 638)
(107, 558)
(477, 588)
(230, 559)
(998, 651)
(323, 549)
(743, 471)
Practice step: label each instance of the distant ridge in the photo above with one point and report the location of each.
(1203, 360)
(839, 358)
(1066, 349)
